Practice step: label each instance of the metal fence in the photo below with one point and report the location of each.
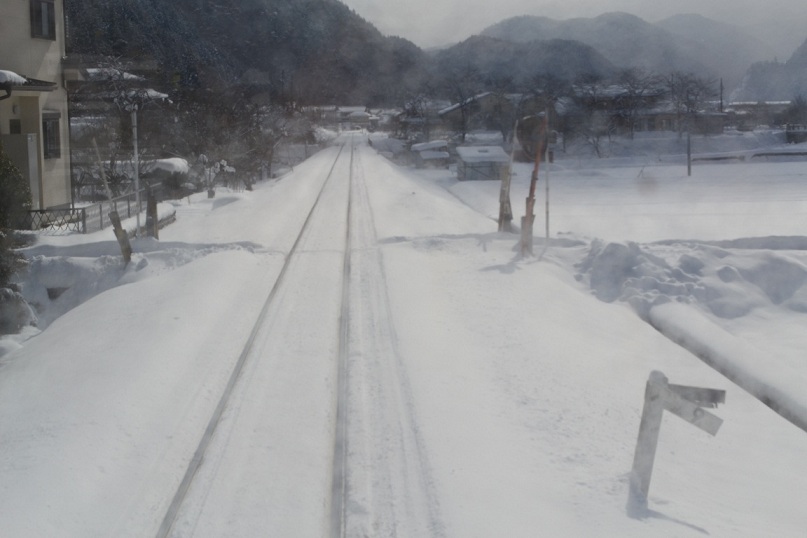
(87, 219)
(56, 220)
(97, 215)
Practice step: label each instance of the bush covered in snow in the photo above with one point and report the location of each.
(15, 200)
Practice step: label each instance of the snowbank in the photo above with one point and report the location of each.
(174, 165)
(781, 388)
(689, 291)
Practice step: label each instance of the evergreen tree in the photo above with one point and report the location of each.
(15, 201)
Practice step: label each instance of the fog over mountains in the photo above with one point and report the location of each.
(327, 53)
(689, 43)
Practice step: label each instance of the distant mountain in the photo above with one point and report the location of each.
(681, 43)
(625, 40)
(724, 48)
(497, 58)
(775, 81)
(320, 47)
(322, 52)
(783, 36)
(799, 58)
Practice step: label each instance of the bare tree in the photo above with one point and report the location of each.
(594, 120)
(102, 111)
(547, 91)
(796, 112)
(463, 85)
(506, 106)
(638, 90)
(416, 112)
(688, 94)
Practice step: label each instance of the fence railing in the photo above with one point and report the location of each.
(87, 219)
(56, 220)
(98, 213)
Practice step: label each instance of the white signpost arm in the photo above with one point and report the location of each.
(682, 401)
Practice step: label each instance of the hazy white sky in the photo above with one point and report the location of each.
(438, 22)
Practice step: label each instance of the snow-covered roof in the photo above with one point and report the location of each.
(172, 165)
(482, 154)
(11, 77)
(433, 155)
(758, 103)
(110, 73)
(455, 106)
(127, 97)
(434, 144)
(154, 94)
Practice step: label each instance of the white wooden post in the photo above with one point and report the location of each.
(646, 444)
(685, 402)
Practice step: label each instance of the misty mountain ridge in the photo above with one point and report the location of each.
(687, 42)
(775, 81)
(498, 59)
(323, 52)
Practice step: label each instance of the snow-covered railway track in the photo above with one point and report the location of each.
(382, 481)
(189, 504)
(316, 433)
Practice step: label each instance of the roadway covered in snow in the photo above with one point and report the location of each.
(486, 394)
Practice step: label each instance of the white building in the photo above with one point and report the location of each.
(33, 101)
(482, 162)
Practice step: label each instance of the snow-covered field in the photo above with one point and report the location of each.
(521, 378)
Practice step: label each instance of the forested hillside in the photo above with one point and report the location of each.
(496, 59)
(775, 81)
(321, 52)
(318, 49)
(689, 43)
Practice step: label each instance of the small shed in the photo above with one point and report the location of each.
(795, 133)
(431, 154)
(482, 162)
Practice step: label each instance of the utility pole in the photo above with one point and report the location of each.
(136, 162)
(689, 151)
(505, 209)
(529, 216)
(546, 187)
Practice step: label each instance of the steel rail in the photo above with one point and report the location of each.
(340, 450)
(196, 461)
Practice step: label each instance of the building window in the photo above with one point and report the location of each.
(14, 127)
(51, 141)
(43, 19)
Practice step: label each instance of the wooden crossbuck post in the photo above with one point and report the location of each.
(505, 210)
(529, 215)
(685, 402)
(152, 218)
(120, 234)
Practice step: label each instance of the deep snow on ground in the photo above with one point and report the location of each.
(527, 374)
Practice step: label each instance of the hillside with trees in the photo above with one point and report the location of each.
(775, 81)
(496, 59)
(321, 52)
(688, 43)
(315, 51)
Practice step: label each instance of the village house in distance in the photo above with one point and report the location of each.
(33, 101)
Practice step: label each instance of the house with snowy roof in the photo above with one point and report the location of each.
(33, 105)
(482, 162)
(432, 154)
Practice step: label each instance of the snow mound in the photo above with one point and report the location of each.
(11, 77)
(727, 282)
(15, 313)
(55, 284)
(172, 165)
